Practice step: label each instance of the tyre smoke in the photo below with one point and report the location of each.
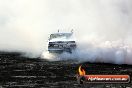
(106, 52)
(102, 27)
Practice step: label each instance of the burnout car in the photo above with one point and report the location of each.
(61, 42)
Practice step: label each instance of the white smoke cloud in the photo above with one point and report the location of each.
(99, 25)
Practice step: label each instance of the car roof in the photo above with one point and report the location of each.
(62, 33)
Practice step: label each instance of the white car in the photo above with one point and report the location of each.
(61, 42)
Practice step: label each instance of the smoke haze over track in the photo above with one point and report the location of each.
(102, 27)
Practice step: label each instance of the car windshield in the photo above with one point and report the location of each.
(60, 35)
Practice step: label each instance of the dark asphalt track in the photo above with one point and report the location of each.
(21, 72)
